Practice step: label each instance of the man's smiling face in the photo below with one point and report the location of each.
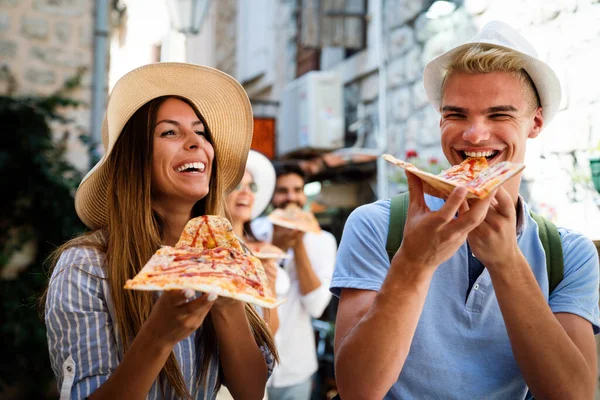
(489, 115)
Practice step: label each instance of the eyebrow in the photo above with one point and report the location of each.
(490, 110)
(173, 122)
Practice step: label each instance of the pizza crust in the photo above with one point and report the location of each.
(441, 187)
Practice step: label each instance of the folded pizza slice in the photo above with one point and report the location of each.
(207, 232)
(223, 271)
(208, 258)
(293, 217)
(266, 251)
(474, 173)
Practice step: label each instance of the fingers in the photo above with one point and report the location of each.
(415, 190)
(200, 304)
(455, 201)
(177, 297)
(477, 213)
(505, 205)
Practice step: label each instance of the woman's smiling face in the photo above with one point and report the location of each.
(241, 200)
(182, 155)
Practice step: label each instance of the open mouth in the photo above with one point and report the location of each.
(489, 154)
(193, 168)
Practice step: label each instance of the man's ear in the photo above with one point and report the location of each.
(538, 123)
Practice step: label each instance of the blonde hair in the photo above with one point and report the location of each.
(482, 59)
(134, 231)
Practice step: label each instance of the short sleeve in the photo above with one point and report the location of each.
(362, 261)
(81, 342)
(577, 293)
(269, 359)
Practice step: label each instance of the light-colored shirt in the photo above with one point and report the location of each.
(295, 338)
(460, 348)
(83, 340)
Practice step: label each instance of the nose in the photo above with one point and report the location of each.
(477, 132)
(194, 141)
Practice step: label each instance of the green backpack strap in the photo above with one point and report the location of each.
(552, 244)
(548, 233)
(398, 212)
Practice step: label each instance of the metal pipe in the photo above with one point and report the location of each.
(382, 142)
(101, 33)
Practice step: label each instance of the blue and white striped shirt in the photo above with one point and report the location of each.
(83, 342)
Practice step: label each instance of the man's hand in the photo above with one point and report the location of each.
(495, 239)
(433, 237)
(285, 238)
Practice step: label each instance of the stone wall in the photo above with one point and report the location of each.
(226, 30)
(43, 43)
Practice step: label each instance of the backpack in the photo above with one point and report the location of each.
(549, 237)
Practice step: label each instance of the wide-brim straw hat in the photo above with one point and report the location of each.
(263, 174)
(219, 98)
(499, 34)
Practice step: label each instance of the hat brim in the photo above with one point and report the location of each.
(263, 174)
(545, 80)
(219, 98)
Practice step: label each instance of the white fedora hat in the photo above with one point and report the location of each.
(263, 174)
(219, 98)
(499, 34)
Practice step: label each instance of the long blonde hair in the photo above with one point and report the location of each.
(134, 231)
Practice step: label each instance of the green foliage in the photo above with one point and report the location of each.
(38, 185)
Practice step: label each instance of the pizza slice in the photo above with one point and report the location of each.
(474, 173)
(207, 232)
(265, 251)
(293, 217)
(207, 260)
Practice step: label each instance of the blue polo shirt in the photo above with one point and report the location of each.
(461, 349)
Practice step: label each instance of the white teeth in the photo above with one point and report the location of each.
(197, 165)
(243, 203)
(480, 153)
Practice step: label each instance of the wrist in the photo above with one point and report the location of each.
(150, 339)
(508, 268)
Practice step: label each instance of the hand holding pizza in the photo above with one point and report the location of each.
(432, 237)
(286, 238)
(494, 241)
(176, 315)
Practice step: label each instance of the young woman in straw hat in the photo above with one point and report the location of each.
(176, 138)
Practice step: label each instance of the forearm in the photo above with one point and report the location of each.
(272, 318)
(551, 364)
(243, 364)
(307, 278)
(134, 376)
(371, 356)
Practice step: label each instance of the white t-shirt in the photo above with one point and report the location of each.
(295, 338)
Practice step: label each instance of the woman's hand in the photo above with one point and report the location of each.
(177, 314)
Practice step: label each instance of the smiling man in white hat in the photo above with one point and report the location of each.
(466, 307)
